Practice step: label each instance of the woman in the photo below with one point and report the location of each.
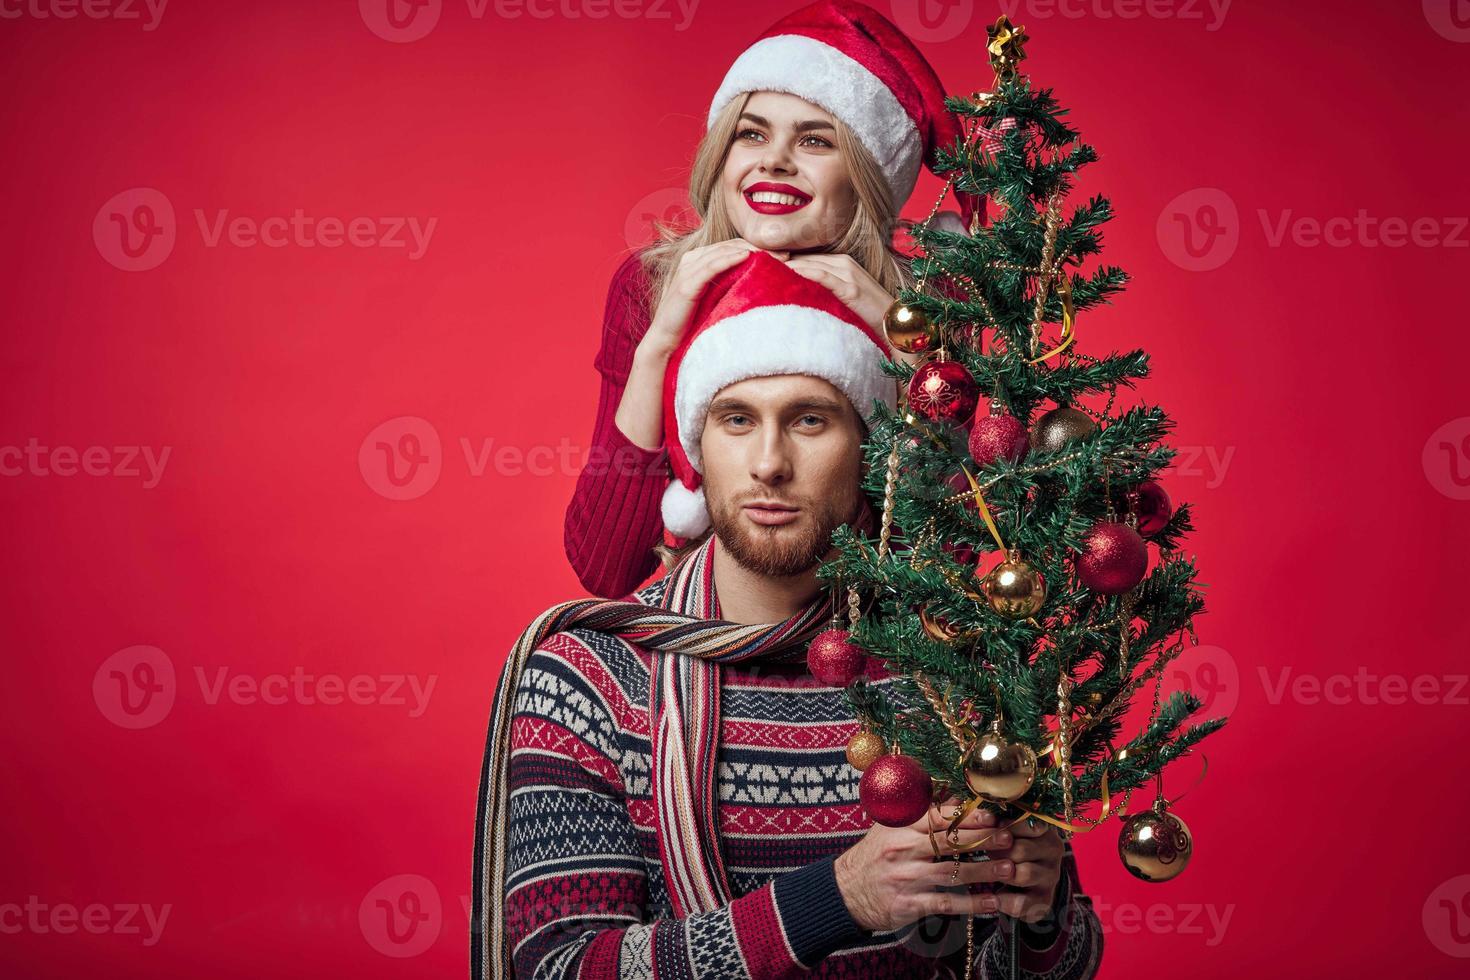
(814, 141)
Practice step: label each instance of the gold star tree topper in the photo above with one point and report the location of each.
(1006, 46)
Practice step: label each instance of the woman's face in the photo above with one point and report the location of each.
(785, 184)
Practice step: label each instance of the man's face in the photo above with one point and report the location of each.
(782, 469)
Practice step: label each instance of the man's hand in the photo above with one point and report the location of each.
(1037, 853)
(890, 878)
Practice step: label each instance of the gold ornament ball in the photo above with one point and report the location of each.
(999, 769)
(1059, 428)
(1014, 588)
(863, 748)
(1155, 845)
(907, 329)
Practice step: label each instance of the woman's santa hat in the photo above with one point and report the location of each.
(759, 319)
(852, 61)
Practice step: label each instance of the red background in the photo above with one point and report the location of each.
(1332, 538)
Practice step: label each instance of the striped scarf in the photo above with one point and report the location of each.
(677, 619)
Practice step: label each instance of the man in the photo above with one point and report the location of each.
(665, 790)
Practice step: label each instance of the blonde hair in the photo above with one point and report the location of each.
(670, 556)
(868, 237)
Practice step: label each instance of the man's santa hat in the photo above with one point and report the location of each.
(759, 319)
(852, 61)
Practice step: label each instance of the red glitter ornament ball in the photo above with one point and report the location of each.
(996, 436)
(1113, 558)
(895, 790)
(943, 391)
(834, 659)
(1152, 506)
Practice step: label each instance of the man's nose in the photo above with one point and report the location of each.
(772, 462)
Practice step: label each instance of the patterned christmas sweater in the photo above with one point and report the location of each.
(585, 891)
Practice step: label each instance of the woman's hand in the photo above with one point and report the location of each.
(695, 269)
(640, 412)
(849, 281)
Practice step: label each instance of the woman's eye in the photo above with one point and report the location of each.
(742, 134)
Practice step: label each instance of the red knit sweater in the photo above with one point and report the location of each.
(613, 520)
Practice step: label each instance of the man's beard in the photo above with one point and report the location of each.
(777, 551)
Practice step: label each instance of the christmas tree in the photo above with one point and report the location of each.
(1027, 580)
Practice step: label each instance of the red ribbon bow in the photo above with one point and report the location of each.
(990, 139)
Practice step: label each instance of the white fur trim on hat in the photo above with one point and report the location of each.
(684, 511)
(774, 340)
(820, 73)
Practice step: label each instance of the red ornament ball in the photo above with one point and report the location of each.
(962, 553)
(996, 436)
(1152, 506)
(895, 790)
(834, 659)
(1113, 558)
(958, 483)
(943, 391)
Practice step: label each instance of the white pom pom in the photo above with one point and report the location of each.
(949, 221)
(684, 511)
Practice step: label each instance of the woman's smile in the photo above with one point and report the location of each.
(767, 197)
